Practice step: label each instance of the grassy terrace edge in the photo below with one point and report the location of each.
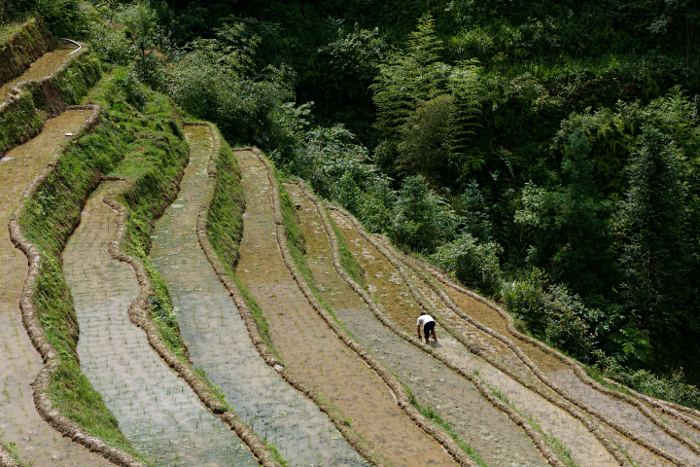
(290, 241)
(220, 231)
(23, 115)
(48, 219)
(140, 206)
(20, 44)
(355, 271)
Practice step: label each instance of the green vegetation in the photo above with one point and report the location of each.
(12, 449)
(225, 217)
(225, 229)
(153, 172)
(25, 116)
(347, 260)
(22, 42)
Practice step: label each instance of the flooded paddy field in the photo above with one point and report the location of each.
(489, 432)
(157, 411)
(217, 337)
(309, 348)
(388, 288)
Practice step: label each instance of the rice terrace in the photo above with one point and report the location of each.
(202, 265)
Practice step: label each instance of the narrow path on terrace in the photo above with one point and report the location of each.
(217, 337)
(43, 67)
(309, 348)
(19, 420)
(156, 411)
(387, 287)
(558, 371)
(498, 441)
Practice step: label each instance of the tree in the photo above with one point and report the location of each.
(409, 76)
(421, 218)
(423, 147)
(652, 223)
(683, 13)
(475, 264)
(573, 238)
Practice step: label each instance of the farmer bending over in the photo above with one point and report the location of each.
(428, 326)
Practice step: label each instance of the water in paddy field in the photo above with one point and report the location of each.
(559, 372)
(310, 349)
(157, 411)
(218, 339)
(483, 427)
(388, 288)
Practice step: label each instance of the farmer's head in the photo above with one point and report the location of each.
(423, 313)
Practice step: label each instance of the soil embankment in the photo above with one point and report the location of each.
(309, 348)
(494, 438)
(21, 44)
(20, 422)
(217, 337)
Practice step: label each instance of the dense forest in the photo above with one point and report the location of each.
(544, 152)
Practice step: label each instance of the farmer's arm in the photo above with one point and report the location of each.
(418, 330)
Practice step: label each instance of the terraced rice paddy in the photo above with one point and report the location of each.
(487, 431)
(391, 292)
(507, 401)
(218, 340)
(20, 363)
(564, 376)
(156, 410)
(48, 64)
(626, 414)
(309, 348)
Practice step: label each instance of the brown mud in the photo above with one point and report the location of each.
(19, 419)
(486, 430)
(309, 348)
(389, 289)
(47, 65)
(217, 337)
(156, 410)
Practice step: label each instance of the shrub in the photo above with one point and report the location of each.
(673, 388)
(475, 264)
(569, 324)
(526, 299)
(421, 218)
(554, 314)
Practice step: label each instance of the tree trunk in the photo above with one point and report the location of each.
(688, 35)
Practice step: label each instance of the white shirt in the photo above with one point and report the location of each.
(424, 319)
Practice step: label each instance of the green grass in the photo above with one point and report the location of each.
(12, 448)
(260, 320)
(9, 30)
(347, 259)
(54, 212)
(225, 229)
(24, 118)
